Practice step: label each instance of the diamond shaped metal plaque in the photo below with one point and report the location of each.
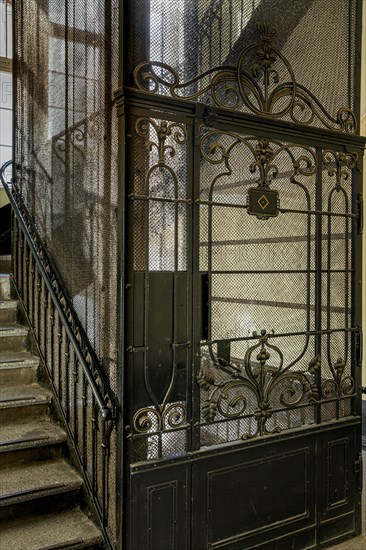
(262, 203)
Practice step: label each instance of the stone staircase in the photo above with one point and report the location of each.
(40, 492)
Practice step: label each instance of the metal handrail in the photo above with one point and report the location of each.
(105, 409)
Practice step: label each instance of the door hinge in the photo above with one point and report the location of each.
(359, 471)
(360, 213)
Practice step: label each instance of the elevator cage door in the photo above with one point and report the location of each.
(242, 273)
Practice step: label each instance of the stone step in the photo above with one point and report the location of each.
(18, 368)
(5, 287)
(70, 529)
(40, 439)
(8, 311)
(23, 402)
(28, 487)
(13, 338)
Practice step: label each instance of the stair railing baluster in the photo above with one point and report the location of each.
(67, 379)
(45, 317)
(51, 364)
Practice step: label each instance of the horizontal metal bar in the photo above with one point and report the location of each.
(144, 435)
(269, 303)
(282, 210)
(105, 410)
(276, 271)
(279, 335)
(289, 409)
(133, 197)
(234, 120)
(274, 240)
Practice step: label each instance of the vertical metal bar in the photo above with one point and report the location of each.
(192, 43)
(14, 245)
(31, 290)
(34, 293)
(196, 278)
(45, 321)
(328, 287)
(355, 102)
(59, 358)
(26, 297)
(52, 340)
(67, 378)
(6, 29)
(38, 298)
(130, 253)
(84, 418)
(189, 267)
(94, 446)
(75, 378)
(356, 286)
(20, 261)
(318, 271)
(121, 378)
(104, 449)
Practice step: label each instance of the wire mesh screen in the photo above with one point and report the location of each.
(272, 263)
(256, 372)
(249, 55)
(66, 148)
(159, 210)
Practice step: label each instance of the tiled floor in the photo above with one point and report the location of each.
(358, 543)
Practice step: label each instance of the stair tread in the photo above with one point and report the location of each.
(14, 359)
(33, 394)
(27, 480)
(13, 330)
(30, 434)
(8, 304)
(71, 529)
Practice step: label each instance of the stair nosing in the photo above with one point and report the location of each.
(8, 303)
(24, 395)
(57, 437)
(79, 541)
(13, 330)
(38, 490)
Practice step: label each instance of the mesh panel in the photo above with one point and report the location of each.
(262, 275)
(66, 69)
(160, 222)
(195, 36)
(66, 144)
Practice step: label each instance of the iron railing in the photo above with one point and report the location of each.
(88, 406)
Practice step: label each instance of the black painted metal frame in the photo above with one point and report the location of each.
(179, 499)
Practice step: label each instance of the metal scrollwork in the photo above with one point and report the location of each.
(339, 385)
(340, 164)
(163, 131)
(160, 137)
(258, 383)
(250, 85)
(268, 157)
(166, 417)
(264, 154)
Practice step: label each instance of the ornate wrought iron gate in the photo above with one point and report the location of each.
(243, 262)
